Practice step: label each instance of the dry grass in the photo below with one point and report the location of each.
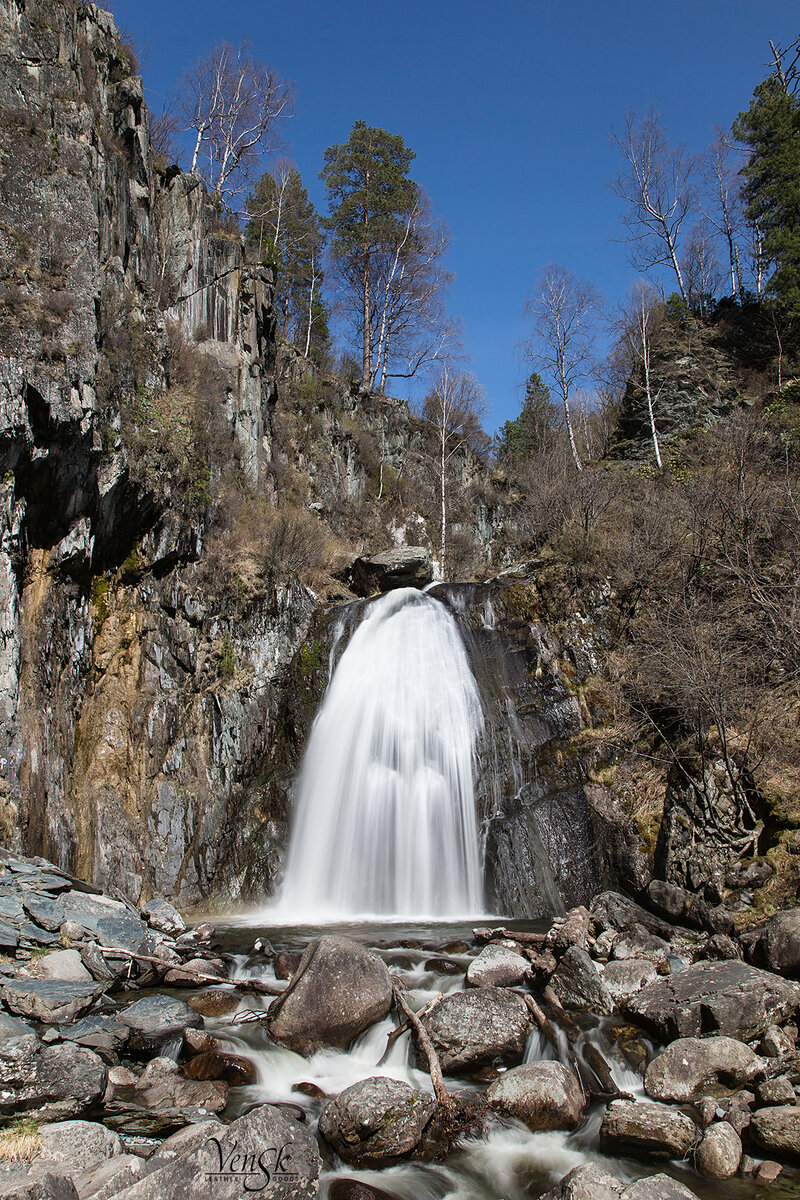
(20, 1141)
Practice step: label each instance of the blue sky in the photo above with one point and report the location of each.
(508, 106)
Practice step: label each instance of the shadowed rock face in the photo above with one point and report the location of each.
(408, 566)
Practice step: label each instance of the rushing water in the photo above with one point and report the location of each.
(385, 815)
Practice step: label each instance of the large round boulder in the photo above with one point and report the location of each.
(543, 1095)
(720, 1151)
(339, 989)
(690, 1066)
(645, 1130)
(778, 1131)
(376, 1121)
(482, 1027)
(498, 965)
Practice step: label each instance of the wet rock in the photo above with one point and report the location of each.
(768, 1172)
(720, 1151)
(610, 910)
(543, 1095)
(728, 998)
(776, 1091)
(407, 566)
(589, 1181)
(233, 1069)
(163, 1085)
(356, 1189)
(77, 1145)
(497, 965)
(59, 1081)
(163, 916)
(286, 964)
(570, 930)
(446, 966)
(623, 978)
(483, 1027)
(377, 1121)
(50, 1001)
(310, 1089)
(288, 1146)
(690, 1066)
(339, 989)
(645, 1129)
(186, 976)
(66, 965)
(578, 983)
(777, 1130)
(197, 1041)
(157, 1019)
(217, 1002)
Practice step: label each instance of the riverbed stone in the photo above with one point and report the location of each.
(157, 1019)
(778, 1130)
(779, 943)
(589, 1181)
(98, 1032)
(376, 1121)
(729, 998)
(720, 1151)
(162, 1084)
(776, 1091)
(477, 1028)
(216, 1002)
(234, 1069)
(35, 1186)
(339, 989)
(543, 1095)
(60, 1082)
(66, 965)
(578, 984)
(625, 977)
(76, 1145)
(50, 1001)
(689, 1067)
(163, 916)
(264, 1130)
(646, 1129)
(498, 965)
(186, 975)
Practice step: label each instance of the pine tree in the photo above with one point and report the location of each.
(371, 201)
(534, 430)
(771, 129)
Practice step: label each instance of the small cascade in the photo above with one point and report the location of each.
(385, 815)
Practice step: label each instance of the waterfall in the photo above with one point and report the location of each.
(385, 812)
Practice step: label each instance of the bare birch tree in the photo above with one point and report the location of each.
(563, 309)
(636, 323)
(722, 205)
(658, 185)
(453, 408)
(235, 105)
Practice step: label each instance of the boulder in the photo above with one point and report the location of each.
(478, 1028)
(66, 965)
(50, 1001)
(217, 1002)
(233, 1069)
(339, 989)
(163, 1085)
(186, 975)
(186, 1139)
(570, 930)
(498, 965)
(543, 1095)
(376, 1121)
(590, 1181)
(779, 944)
(163, 916)
(720, 1151)
(356, 1189)
(59, 1081)
(45, 911)
(690, 1066)
(776, 1042)
(123, 932)
(658, 1187)
(728, 998)
(625, 977)
(646, 1129)
(97, 1032)
(611, 910)
(778, 1130)
(262, 1153)
(638, 943)
(407, 566)
(77, 1145)
(106, 1179)
(776, 1091)
(36, 1186)
(578, 983)
(157, 1019)
(13, 1027)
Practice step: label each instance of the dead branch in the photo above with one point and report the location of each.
(525, 939)
(244, 985)
(443, 1097)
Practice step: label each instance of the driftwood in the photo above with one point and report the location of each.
(244, 985)
(405, 1026)
(443, 1097)
(524, 939)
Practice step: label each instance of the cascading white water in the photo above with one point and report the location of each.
(385, 816)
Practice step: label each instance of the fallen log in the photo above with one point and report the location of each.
(243, 985)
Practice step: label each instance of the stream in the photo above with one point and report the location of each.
(509, 1162)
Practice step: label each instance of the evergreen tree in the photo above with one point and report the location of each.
(371, 201)
(285, 230)
(534, 430)
(771, 129)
